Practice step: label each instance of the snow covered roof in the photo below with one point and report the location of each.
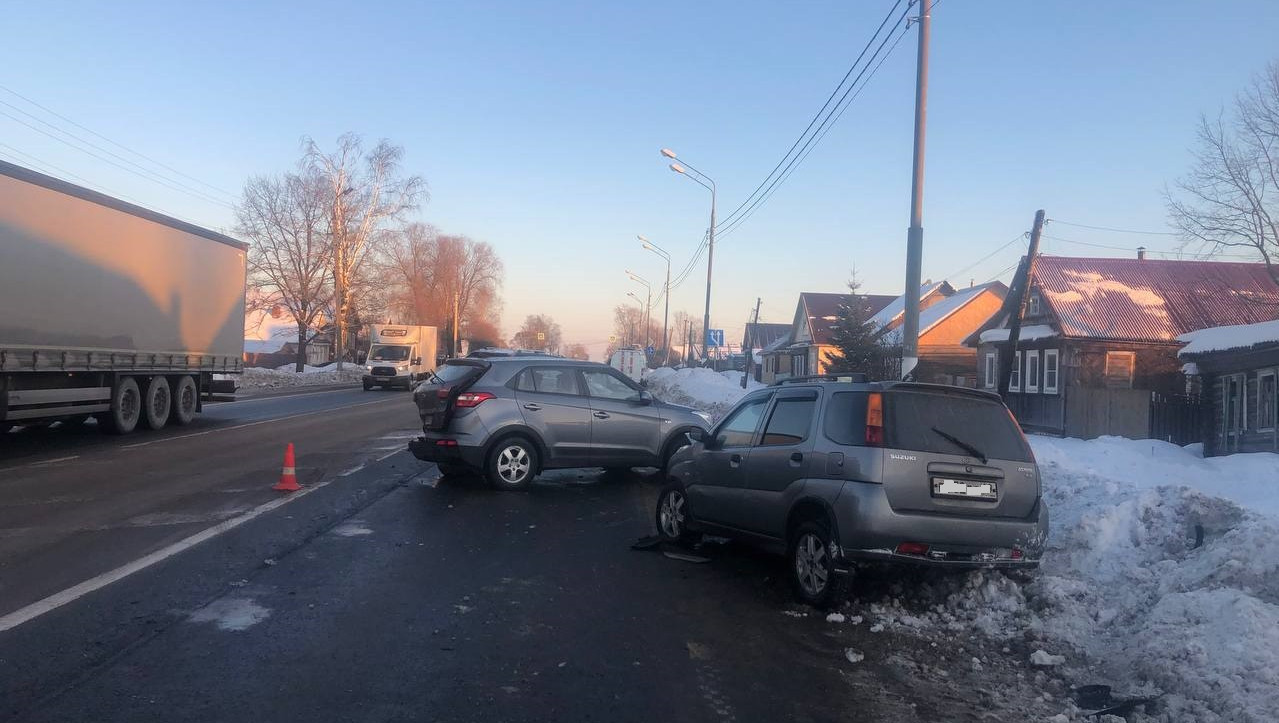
(1222, 338)
(1152, 299)
(1027, 333)
(938, 312)
(264, 346)
(897, 307)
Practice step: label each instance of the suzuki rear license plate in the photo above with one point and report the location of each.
(965, 489)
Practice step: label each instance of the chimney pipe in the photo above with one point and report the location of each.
(1141, 253)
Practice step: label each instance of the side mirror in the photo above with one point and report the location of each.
(416, 362)
(644, 382)
(695, 435)
(645, 397)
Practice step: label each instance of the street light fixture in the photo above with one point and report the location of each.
(706, 182)
(648, 308)
(666, 291)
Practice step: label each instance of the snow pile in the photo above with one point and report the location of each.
(1026, 333)
(703, 389)
(1220, 338)
(260, 378)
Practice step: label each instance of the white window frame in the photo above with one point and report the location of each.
(992, 370)
(1032, 380)
(1033, 305)
(1132, 368)
(1274, 403)
(1055, 356)
(1014, 380)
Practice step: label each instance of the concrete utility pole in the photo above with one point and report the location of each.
(915, 236)
(750, 343)
(1016, 305)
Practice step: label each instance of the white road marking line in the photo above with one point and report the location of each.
(71, 594)
(362, 465)
(250, 424)
(219, 405)
(40, 463)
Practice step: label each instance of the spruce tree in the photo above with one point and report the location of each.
(856, 336)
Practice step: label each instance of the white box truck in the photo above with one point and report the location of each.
(109, 310)
(399, 355)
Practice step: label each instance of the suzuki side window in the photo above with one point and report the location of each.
(789, 422)
(739, 429)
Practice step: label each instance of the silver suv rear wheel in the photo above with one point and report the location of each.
(512, 464)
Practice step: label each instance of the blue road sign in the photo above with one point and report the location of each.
(650, 350)
(714, 337)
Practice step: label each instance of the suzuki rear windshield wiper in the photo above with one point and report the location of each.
(961, 444)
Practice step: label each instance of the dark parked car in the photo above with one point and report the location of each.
(831, 471)
(512, 417)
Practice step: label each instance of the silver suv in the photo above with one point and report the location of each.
(512, 417)
(830, 471)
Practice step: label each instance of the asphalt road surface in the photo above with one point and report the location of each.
(384, 594)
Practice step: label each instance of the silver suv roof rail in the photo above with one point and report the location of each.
(849, 377)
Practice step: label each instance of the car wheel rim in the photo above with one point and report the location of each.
(810, 564)
(513, 464)
(672, 514)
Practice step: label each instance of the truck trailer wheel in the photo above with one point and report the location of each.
(126, 408)
(185, 400)
(156, 403)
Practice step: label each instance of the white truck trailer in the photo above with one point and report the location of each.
(109, 310)
(399, 355)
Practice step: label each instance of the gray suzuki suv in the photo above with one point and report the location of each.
(513, 417)
(834, 470)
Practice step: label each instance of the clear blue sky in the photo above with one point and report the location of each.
(537, 125)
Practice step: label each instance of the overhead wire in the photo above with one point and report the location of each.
(1114, 230)
(732, 214)
(121, 146)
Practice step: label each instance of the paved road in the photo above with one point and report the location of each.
(382, 594)
(75, 503)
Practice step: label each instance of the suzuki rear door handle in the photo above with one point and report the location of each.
(533, 407)
(601, 415)
(797, 456)
(735, 461)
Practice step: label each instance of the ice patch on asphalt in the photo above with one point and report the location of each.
(231, 613)
(352, 528)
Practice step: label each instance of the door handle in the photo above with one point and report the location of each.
(601, 415)
(797, 456)
(735, 461)
(533, 407)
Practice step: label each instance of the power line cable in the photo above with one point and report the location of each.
(983, 259)
(139, 154)
(822, 130)
(729, 218)
(1115, 230)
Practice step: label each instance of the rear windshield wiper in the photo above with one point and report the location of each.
(961, 444)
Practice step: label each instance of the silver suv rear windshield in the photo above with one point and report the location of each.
(452, 372)
(927, 422)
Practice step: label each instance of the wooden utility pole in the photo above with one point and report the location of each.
(1016, 306)
(749, 344)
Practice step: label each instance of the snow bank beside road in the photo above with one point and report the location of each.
(260, 378)
(703, 389)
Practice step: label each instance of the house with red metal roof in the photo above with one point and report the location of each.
(1099, 337)
(947, 317)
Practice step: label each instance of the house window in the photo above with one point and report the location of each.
(1051, 368)
(992, 367)
(1119, 367)
(799, 365)
(1032, 371)
(1032, 305)
(1233, 409)
(1266, 401)
(1014, 380)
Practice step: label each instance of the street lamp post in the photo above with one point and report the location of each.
(666, 292)
(639, 301)
(706, 182)
(648, 308)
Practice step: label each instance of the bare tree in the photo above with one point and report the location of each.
(577, 351)
(366, 193)
(538, 332)
(1229, 197)
(285, 219)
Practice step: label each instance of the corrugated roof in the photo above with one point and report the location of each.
(758, 334)
(1153, 300)
(897, 307)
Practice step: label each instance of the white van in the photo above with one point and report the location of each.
(399, 355)
(630, 362)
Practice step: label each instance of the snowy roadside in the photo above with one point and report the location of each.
(260, 378)
(703, 389)
(1161, 579)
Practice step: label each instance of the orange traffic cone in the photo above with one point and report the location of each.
(288, 475)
